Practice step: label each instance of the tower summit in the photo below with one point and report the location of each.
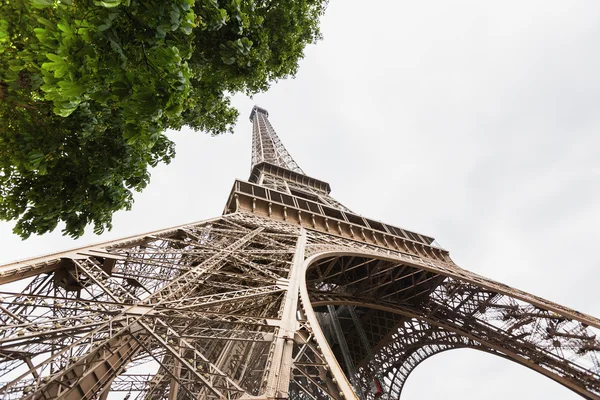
(287, 295)
(266, 146)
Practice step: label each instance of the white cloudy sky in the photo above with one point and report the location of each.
(474, 122)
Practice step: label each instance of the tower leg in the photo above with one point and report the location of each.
(415, 309)
(230, 308)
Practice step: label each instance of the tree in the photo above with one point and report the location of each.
(88, 87)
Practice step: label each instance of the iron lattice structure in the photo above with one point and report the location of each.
(287, 295)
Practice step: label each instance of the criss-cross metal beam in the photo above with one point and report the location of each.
(288, 295)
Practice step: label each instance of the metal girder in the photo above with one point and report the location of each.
(437, 310)
(266, 145)
(288, 295)
(190, 307)
(205, 306)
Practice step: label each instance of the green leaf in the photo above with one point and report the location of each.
(65, 108)
(58, 65)
(35, 157)
(55, 57)
(108, 3)
(3, 34)
(175, 109)
(42, 3)
(175, 17)
(45, 22)
(93, 86)
(228, 60)
(71, 89)
(101, 96)
(61, 71)
(65, 28)
(121, 89)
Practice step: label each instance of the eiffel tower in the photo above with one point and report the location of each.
(287, 295)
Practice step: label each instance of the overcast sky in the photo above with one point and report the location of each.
(473, 122)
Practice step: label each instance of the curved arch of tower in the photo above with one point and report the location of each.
(288, 294)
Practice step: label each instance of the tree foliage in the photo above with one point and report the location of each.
(88, 87)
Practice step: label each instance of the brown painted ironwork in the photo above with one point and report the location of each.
(288, 294)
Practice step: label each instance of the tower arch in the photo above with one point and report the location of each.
(437, 310)
(288, 294)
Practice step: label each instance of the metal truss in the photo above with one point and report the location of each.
(266, 145)
(245, 306)
(289, 295)
(412, 309)
(192, 312)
